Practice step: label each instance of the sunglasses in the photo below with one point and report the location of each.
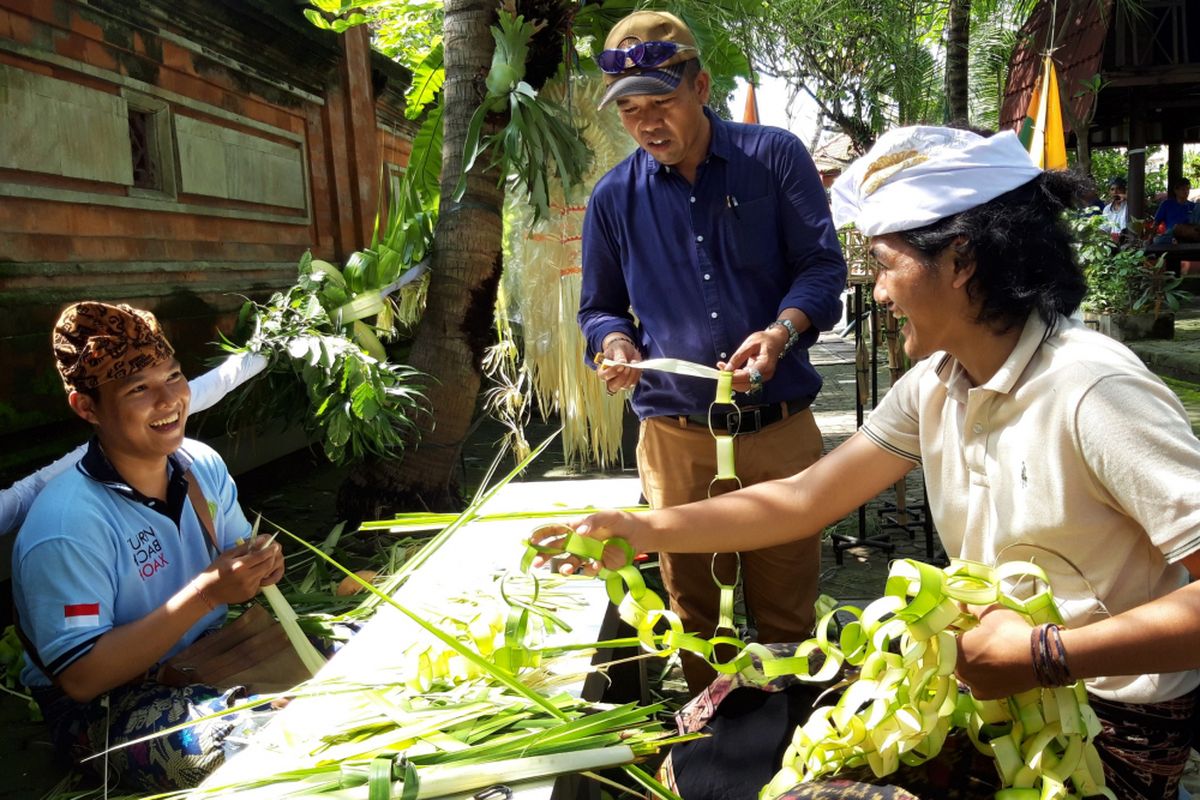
(642, 54)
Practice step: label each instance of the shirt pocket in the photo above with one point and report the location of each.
(751, 234)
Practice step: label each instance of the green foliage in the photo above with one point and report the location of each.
(1121, 280)
(512, 36)
(867, 63)
(406, 31)
(424, 170)
(537, 135)
(873, 64)
(338, 25)
(355, 402)
(427, 81)
(993, 39)
(1108, 163)
(12, 661)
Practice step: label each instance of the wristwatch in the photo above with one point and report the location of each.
(793, 334)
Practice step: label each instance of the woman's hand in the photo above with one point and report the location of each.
(994, 659)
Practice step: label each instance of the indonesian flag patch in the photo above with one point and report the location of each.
(82, 615)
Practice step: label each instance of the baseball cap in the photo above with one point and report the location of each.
(662, 78)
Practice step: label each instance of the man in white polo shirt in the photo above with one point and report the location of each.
(1038, 439)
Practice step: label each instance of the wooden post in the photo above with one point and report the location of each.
(1174, 156)
(1137, 166)
(362, 136)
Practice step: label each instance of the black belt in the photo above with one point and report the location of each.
(751, 419)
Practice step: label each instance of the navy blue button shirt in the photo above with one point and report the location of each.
(703, 266)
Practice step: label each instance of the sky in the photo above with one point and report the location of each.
(773, 107)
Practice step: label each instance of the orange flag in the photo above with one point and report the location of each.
(751, 113)
(1042, 130)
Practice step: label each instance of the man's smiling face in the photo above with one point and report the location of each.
(141, 417)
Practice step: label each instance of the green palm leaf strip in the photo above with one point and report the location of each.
(500, 675)
(486, 492)
(426, 521)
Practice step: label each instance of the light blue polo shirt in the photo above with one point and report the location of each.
(94, 554)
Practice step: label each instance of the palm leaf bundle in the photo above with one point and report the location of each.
(463, 715)
(542, 280)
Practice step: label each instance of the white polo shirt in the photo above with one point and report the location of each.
(1074, 456)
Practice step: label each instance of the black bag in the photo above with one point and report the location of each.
(749, 731)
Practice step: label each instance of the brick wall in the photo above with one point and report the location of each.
(263, 140)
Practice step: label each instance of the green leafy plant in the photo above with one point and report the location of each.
(537, 132)
(1121, 279)
(355, 401)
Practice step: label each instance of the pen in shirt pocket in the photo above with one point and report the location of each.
(732, 204)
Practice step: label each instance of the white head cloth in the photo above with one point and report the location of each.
(918, 175)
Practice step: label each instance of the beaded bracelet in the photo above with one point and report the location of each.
(617, 337)
(793, 334)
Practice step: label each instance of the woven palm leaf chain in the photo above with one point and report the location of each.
(726, 468)
(904, 699)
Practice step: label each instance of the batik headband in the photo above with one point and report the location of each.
(95, 343)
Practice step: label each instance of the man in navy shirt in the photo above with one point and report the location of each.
(711, 243)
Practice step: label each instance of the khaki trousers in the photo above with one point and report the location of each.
(676, 462)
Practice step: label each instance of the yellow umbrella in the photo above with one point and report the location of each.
(1042, 130)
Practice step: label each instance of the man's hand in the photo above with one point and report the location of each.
(263, 543)
(994, 659)
(237, 574)
(760, 351)
(619, 347)
(633, 528)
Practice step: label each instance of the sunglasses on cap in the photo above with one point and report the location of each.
(642, 54)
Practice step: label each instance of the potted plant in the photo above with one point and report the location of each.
(1129, 295)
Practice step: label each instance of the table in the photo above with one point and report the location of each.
(1175, 254)
(470, 557)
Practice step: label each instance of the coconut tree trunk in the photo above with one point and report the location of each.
(958, 39)
(465, 273)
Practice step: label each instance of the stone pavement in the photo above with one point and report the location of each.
(858, 576)
(1179, 357)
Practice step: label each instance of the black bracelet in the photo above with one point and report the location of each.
(1049, 656)
(617, 337)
